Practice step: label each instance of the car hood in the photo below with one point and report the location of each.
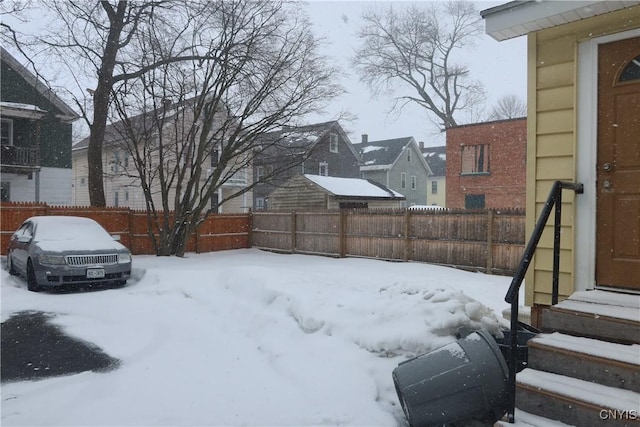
(81, 244)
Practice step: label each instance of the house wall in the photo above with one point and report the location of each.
(440, 197)
(128, 189)
(379, 176)
(504, 185)
(300, 194)
(414, 167)
(55, 135)
(553, 136)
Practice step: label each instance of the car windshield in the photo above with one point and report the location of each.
(70, 229)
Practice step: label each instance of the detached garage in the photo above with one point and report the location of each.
(315, 192)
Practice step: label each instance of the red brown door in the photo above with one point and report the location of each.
(618, 168)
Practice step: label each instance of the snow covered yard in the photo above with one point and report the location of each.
(248, 337)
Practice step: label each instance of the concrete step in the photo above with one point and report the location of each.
(610, 364)
(574, 401)
(607, 316)
(525, 419)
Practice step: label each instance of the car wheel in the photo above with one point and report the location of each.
(32, 283)
(11, 267)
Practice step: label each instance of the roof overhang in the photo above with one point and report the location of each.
(517, 18)
(21, 111)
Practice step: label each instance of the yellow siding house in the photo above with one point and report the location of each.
(583, 126)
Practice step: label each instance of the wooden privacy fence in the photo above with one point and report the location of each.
(217, 232)
(490, 241)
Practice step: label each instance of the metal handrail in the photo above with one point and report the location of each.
(554, 199)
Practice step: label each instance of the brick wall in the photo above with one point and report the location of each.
(504, 184)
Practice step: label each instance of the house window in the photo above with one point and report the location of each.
(115, 162)
(215, 202)
(115, 199)
(259, 172)
(408, 155)
(5, 191)
(324, 169)
(403, 180)
(434, 187)
(474, 201)
(333, 143)
(260, 204)
(6, 132)
(413, 182)
(215, 155)
(126, 195)
(475, 159)
(125, 161)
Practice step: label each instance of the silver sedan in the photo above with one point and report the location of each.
(51, 251)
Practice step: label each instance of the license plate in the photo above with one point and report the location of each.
(95, 273)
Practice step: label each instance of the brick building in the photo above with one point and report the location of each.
(486, 165)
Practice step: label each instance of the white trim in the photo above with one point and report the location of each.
(586, 157)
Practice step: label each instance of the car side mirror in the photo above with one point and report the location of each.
(24, 239)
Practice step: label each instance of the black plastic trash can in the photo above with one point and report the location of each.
(460, 381)
(525, 333)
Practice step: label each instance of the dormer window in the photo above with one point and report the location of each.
(333, 143)
(408, 155)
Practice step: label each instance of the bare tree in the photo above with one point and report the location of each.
(10, 35)
(508, 107)
(411, 52)
(199, 124)
(97, 39)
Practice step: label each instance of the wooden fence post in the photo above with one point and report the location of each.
(407, 237)
(490, 241)
(293, 232)
(342, 233)
(250, 228)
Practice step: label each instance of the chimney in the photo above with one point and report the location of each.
(421, 145)
(365, 138)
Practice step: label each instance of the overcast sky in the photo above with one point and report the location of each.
(500, 66)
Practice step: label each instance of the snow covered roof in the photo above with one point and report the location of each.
(436, 158)
(353, 187)
(382, 153)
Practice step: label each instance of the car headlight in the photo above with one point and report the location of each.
(124, 258)
(51, 259)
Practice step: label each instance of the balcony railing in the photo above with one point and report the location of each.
(11, 155)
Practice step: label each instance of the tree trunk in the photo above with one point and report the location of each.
(101, 99)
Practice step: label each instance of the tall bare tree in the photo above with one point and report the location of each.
(508, 107)
(410, 52)
(97, 39)
(191, 127)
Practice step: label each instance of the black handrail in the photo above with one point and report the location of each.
(554, 199)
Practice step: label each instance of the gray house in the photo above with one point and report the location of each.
(35, 142)
(319, 149)
(397, 164)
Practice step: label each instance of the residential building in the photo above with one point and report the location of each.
(582, 283)
(121, 179)
(436, 158)
(486, 165)
(316, 192)
(35, 138)
(319, 149)
(397, 164)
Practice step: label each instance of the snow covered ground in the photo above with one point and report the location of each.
(252, 338)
